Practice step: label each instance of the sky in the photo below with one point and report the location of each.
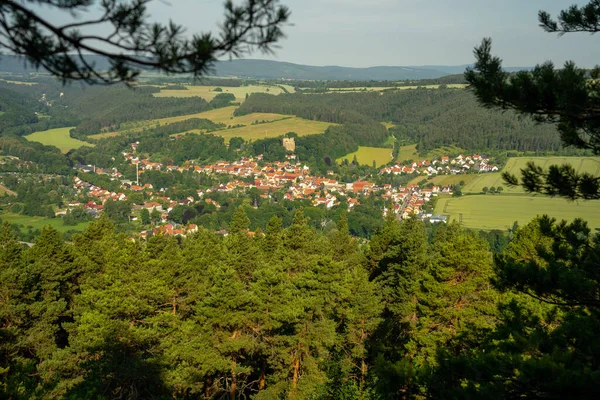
(363, 33)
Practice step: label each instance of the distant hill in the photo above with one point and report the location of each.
(265, 69)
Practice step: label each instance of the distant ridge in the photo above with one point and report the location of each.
(266, 69)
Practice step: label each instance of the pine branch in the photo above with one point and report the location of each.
(134, 43)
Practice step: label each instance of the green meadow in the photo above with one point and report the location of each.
(271, 125)
(58, 137)
(515, 164)
(366, 155)
(39, 222)
(500, 211)
(208, 92)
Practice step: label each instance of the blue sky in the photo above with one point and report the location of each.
(362, 33)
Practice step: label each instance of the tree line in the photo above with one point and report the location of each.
(432, 118)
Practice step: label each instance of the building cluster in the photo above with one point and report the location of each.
(443, 166)
(289, 177)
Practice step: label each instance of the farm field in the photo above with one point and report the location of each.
(381, 88)
(500, 211)
(58, 137)
(366, 155)
(208, 93)
(277, 128)
(40, 222)
(515, 164)
(225, 116)
(278, 124)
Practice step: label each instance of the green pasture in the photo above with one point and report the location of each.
(274, 125)
(58, 137)
(208, 92)
(500, 211)
(366, 155)
(39, 222)
(298, 125)
(407, 153)
(515, 164)
(225, 116)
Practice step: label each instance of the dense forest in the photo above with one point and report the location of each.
(294, 313)
(430, 117)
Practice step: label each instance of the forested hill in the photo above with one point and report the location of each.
(267, 69)
(430, 117)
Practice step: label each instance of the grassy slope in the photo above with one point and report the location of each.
(40, 222)
(500, 211)
(208, 93)
(277, 128)
(515, 164)
(58, 137)
(366, 155)
(278, 124)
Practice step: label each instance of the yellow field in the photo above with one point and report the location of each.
(277, 128)
(382, 88)
(500, 211)
(137, 126)
(58, 137)
(515, 164)
(276, 125)
(225, 116)
(366, 156)
(208, 93)
(388, 125)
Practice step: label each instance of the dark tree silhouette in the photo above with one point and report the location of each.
(132, 42)
(568, 97)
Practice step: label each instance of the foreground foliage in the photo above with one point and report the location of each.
(296, 314)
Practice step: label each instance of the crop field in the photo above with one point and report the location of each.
(275, 124)
(208, 93)
(225, 116)
(58, 137)
(40, 222)
(277, 128)
(500, 211)
(366, 155)
(515, 164)
(382, 88)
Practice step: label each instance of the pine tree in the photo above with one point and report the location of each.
(568, 97)
(404, 259)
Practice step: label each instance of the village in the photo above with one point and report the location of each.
(289, 177)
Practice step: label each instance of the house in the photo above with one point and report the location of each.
(434, 219)
(153, 205)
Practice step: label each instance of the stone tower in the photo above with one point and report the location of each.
(289, 144)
